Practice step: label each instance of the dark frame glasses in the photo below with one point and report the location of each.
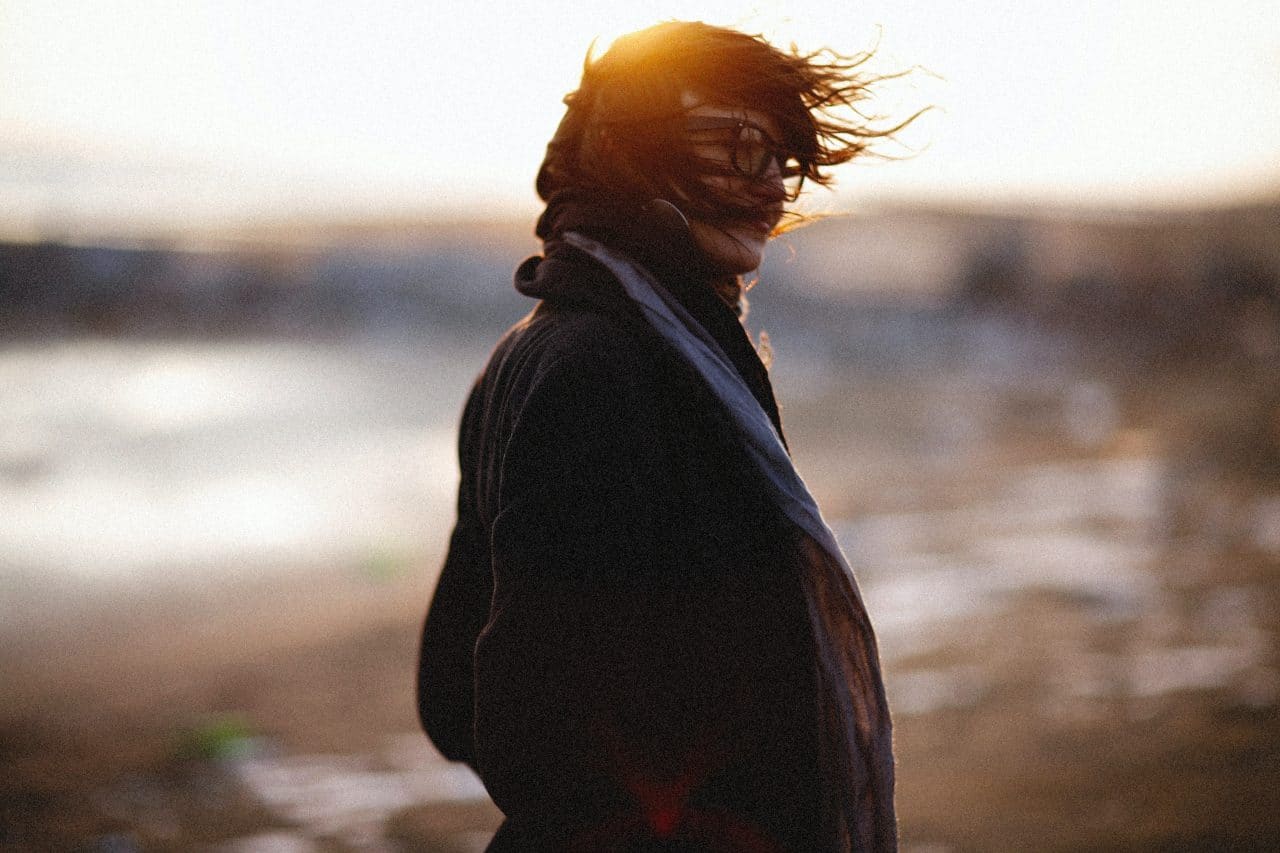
(749, 154)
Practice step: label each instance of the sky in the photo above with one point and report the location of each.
(152, 113)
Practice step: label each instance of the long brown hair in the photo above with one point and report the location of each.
(622, 134)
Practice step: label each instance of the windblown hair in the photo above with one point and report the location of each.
(622, 134)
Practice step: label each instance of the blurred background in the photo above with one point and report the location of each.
(252, 255)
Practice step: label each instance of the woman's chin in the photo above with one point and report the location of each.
(732, 250)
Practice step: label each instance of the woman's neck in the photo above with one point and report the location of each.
(729, 288)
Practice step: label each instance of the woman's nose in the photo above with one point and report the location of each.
(769, 186)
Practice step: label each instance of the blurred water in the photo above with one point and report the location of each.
(131, 460)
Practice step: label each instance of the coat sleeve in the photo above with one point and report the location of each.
(458, 611)
(587, 673)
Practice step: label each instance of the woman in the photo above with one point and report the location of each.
(644, 637)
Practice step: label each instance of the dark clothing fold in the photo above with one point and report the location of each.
(621, 640)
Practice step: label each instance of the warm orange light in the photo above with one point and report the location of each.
(285, 108)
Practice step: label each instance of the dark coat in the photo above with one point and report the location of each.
(618, 643)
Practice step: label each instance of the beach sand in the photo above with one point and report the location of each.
(144, 726)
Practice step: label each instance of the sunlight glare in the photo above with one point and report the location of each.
(159, 110)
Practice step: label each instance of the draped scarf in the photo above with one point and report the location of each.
(854, 725)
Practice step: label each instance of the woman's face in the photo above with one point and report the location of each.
(736, 246)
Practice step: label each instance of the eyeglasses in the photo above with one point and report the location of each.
(750, 149)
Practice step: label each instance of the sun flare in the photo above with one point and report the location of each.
(170, 111)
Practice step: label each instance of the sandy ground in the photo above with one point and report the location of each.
(97, 749)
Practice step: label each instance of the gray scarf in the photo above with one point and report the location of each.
(855, 726)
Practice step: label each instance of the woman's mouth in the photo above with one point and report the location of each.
(759, 227)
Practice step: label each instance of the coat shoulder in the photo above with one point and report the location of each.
(588, 343)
